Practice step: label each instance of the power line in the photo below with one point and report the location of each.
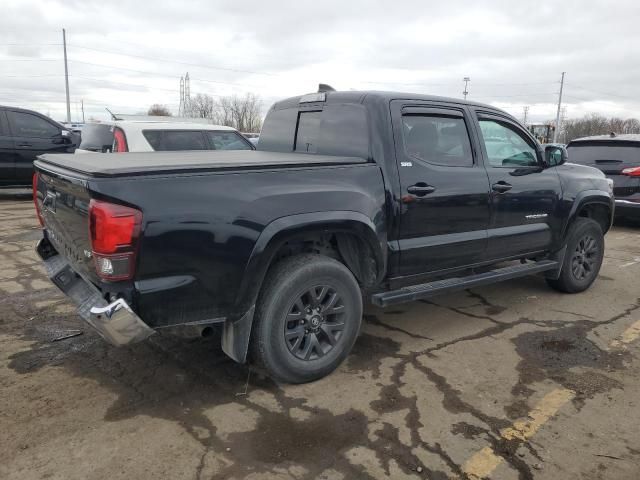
(156, 59)
(102, 80)
(29, 59)
(29, 44)
(173, 77)
(603, 93)
(34, 76)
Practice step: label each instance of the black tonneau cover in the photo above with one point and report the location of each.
(127, 164)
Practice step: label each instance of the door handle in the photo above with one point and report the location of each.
(421, 189)
(501, 187)
(25, 145)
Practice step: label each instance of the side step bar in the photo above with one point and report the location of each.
(431, 289)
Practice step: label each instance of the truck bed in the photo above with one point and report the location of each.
(128, 164)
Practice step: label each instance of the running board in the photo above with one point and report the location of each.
(425, 290)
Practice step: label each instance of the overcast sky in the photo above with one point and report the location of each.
(129, 55)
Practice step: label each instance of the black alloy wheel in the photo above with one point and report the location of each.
(307, 318)
(315, 323)
(583, 262)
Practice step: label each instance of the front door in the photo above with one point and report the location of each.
(33, 135)
(525, 195)
(444, 190)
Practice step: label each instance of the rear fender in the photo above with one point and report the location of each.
(237, 329)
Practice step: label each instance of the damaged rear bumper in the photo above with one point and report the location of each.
(116, 322)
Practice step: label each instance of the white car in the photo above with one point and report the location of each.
(149, 136)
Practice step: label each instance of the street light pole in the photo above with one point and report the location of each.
(466, 90)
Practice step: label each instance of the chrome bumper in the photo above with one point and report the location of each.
(115, 322)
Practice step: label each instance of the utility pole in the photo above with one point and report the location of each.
(66, 74)
(563, 117)
(82, 107)
(556, 132)
(526, 111)
(466, 90)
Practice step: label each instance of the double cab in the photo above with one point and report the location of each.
(351, 197)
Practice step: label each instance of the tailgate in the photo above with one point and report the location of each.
(64, 206)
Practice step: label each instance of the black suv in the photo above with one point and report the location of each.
(25, 134)
(618, 157)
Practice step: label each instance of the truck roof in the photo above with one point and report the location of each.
(362, 96)
(141, 163)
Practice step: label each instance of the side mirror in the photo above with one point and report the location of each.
(555, 155)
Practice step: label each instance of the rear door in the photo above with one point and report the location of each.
(612, 157)
(33, 135)
(444, 188)
(525, 195)
(7, 153)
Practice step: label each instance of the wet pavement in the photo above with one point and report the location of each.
(509, 381)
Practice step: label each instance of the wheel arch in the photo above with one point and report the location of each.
(352, 230)
(594, 204)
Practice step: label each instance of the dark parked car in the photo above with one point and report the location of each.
(618, 157)
(390, 197)
(24, 135)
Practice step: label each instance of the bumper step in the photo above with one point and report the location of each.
(439, 287)
(116, 322)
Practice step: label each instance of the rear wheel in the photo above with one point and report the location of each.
(308, 317)
(583, 258)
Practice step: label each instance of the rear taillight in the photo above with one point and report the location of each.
(119, 141)
(114, 231)
(632, 172)
(35, 199)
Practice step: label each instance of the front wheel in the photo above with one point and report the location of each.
(308, 317)
(583, 258)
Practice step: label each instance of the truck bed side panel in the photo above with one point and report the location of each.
(199, 230)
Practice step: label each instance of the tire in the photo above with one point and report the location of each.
(583, 258)
(293, 344)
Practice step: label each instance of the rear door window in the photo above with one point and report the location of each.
(175, 140)
(440, 140)
(28, 125)
(226, 140)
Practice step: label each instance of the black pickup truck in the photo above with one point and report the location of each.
(351, 197)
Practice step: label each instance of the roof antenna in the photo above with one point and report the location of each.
(323, 87)
(113, 116)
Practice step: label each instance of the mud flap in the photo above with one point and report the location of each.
(558, 257)
(236, 335)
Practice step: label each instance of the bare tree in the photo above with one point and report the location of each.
(202, 106)
(159, 110)
(241, 113)
(595, 124)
